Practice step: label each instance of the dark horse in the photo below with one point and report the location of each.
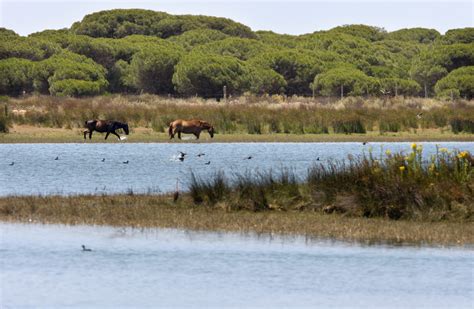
(190, 126)
(102, 126)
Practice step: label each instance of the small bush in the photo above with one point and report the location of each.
(462, 125)
(348, 126)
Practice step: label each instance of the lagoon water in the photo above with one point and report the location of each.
(44, 266)
(156, 168)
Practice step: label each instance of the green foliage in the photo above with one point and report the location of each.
(28, 48)
(61, 74)
(151, 70)
(4, 121)
(353, 81)
(242, 49)
(189, 39)
(123, 22)
(262, 81)
(129, 50)
(369, 33)
(419, 35)
(206, 75)
(463, 35)
(7, 33)
(15, 76)
(461, 81)
(398, 86)
(298, 68)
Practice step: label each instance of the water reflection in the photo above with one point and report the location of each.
(44, 265)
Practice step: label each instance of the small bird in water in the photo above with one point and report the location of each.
(419, 115)
(364, 143)
(13, 163)
(181, 156)
(85, 249)
(208, 162)
(249, 157)
(57, 158)
(103, 159)
(201, 154)
(125, 162)
(317, 159)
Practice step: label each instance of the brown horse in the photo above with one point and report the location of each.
(103, 126)
(190, 126)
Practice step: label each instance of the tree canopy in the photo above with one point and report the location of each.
(135, 51)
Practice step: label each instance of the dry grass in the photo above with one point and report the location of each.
(160, 211)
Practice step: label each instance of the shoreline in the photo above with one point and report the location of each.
(159, 211)
(31, 134)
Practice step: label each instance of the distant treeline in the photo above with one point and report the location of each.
(142, 51)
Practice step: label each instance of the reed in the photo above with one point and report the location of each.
(250, 115)
(393, 186)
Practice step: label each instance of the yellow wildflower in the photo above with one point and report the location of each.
(462, 154)
(402, 168)
(413, 146)
(388, 152)
(443, 150)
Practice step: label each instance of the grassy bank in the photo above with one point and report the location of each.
(246, 118)
(32, 134)
(160, 211)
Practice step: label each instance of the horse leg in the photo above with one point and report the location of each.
(90, 134)
(197, 135)
(115, 133)
(107, 135)
(179, 134)
(85, 133)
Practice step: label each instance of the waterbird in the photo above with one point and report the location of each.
(103, 159)
(13, 163)
(201, 154)
(125, 162)
(57, 158)
(317, 159)
(85, 249)
(208, 162)
(181, 156)
(249, 157)
(419, 115)
(364, 143)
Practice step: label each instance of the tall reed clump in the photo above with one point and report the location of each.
(394, 186)
(248, 191)
(4, 123)
(399, 186)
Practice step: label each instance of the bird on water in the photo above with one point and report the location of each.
(85, 249)
(13, 163)
(125, 162)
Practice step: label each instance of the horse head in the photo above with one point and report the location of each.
(125, 128)
(211, 131)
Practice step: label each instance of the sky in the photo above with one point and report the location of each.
(292, 17)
